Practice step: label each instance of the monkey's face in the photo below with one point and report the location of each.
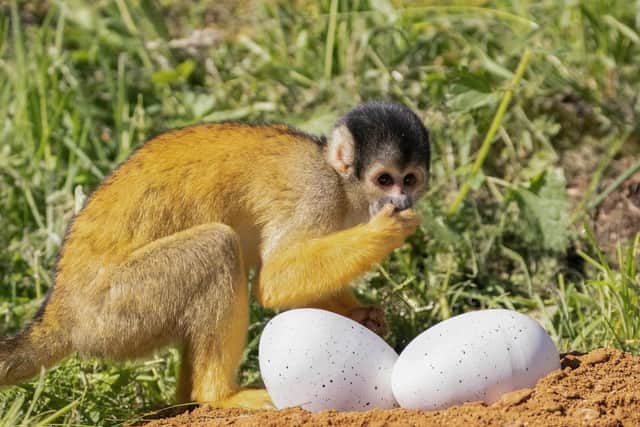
(388, 183)
(384, 147)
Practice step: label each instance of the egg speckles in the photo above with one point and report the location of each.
(320, 360)
(474, 356)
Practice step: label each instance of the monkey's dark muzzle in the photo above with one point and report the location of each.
(400, 203)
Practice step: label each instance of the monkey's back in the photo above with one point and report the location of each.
(226, 173)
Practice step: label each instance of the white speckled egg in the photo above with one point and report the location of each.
(319, 360)
(475, 356)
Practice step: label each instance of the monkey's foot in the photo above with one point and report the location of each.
(247, 399)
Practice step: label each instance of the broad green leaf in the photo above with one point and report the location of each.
(544, 208)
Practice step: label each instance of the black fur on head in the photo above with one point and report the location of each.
(383, 130)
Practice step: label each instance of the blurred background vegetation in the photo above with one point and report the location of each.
(549, 224)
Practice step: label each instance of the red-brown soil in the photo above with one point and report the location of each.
(601, 388)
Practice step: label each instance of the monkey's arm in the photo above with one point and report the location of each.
(317, 269)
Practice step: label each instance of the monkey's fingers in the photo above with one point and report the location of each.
(359, 314)
(384, 216)
(407, 214)
(387, 210)
(372, 318)
(379, 329)
(409, 217)
(376, 314)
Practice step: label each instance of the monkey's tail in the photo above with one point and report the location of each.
(37, 346)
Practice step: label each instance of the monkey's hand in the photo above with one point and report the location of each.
(372, 318)
(394, 227)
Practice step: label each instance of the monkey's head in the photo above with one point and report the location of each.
(382, 148)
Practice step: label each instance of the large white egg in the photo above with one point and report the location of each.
(320, 360)
(476, 356)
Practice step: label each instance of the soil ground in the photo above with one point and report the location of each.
(601, 388)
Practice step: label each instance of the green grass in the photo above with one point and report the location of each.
(83, 83)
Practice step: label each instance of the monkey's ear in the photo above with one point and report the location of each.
(341, 151)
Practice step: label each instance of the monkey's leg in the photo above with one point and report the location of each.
(190, 288)
(211, 356)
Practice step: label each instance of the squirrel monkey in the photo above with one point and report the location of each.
(160, 252)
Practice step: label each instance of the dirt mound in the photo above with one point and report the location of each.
(601, 388)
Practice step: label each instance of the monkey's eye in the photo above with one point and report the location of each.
(409, 180)
(385, 180)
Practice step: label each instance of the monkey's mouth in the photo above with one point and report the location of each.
(399, 203)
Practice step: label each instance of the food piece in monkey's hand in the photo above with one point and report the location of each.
(372, 318)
